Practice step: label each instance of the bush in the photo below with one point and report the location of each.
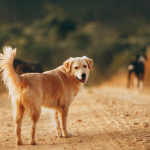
(56, 37)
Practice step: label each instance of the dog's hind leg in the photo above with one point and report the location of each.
(141, 85)
(63, 120)
(129, 79)
(56, 122)
(141, 77)
(35, 117)
(18, 115)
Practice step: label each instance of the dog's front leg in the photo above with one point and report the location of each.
(63, 120)
(56, 122)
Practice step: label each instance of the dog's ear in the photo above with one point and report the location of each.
(67, 64)
(89, 62)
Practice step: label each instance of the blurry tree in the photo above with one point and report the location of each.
(47, 33)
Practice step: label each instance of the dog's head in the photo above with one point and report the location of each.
(141, 58)
(79, 67)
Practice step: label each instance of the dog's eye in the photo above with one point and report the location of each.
(85, 66)
(75, 67)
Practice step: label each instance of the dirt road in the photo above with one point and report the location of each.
(100, 118)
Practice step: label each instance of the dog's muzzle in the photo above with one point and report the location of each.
(83, 79)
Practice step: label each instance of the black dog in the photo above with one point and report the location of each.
(136, 71)
(22, 67)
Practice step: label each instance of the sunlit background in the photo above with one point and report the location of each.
(111, 32)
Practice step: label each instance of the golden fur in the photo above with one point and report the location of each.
(53, 89)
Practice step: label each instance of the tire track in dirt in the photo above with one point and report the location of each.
(113, 144)
(95, 116)
(95, 119)
(128, 128)
(120, 129)
(120, 126)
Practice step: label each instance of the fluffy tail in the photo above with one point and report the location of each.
(6, 64)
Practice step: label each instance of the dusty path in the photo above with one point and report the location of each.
(100, 118)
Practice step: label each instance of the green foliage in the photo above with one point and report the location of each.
(55, 37)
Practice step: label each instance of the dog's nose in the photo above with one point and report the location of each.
(83, 75)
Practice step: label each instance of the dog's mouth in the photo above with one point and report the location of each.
(81, 80)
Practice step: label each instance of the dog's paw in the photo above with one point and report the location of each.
(68, 135)
(59, 135)
(32, 143)
(19, 143)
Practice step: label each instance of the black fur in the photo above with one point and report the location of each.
(138, 68)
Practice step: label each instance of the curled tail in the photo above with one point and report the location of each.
(6, 64)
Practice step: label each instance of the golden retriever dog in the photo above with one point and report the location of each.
(53, 89)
